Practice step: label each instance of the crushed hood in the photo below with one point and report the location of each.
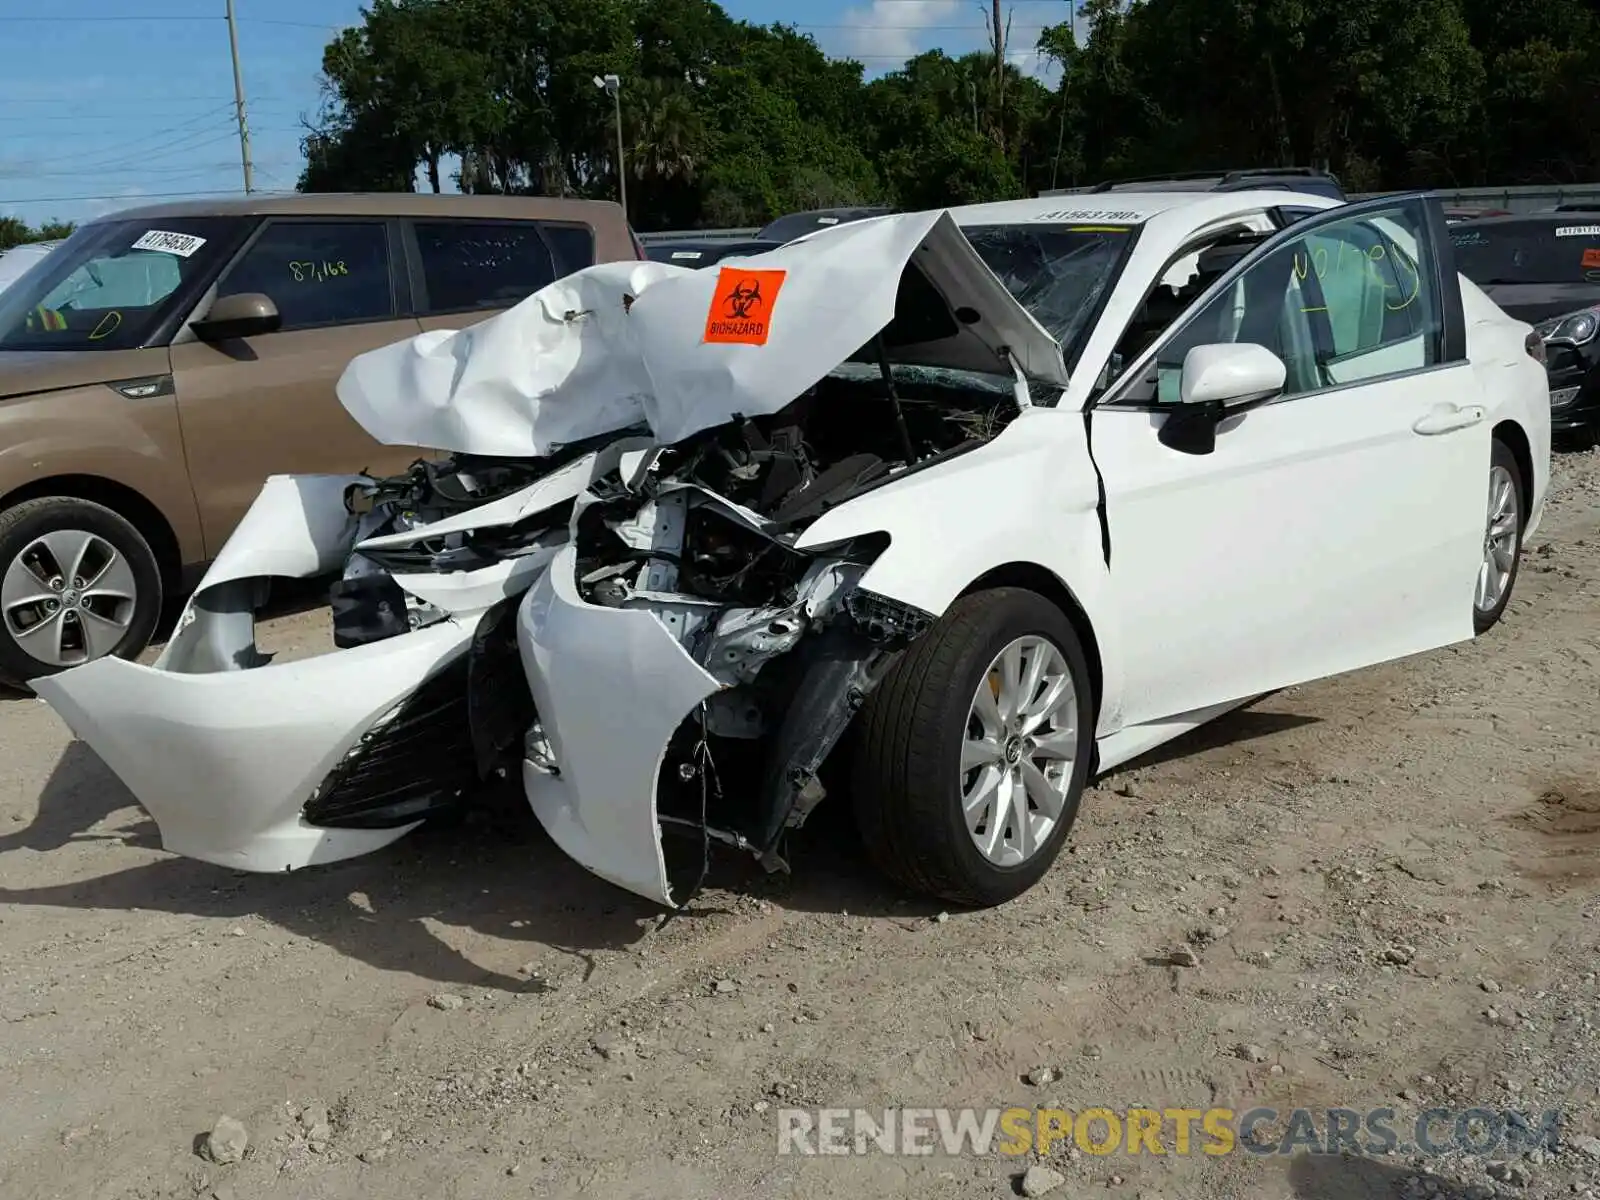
(678, 350)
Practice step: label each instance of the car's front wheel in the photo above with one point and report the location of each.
(1502, 539)
(973, 753)
(77, 582)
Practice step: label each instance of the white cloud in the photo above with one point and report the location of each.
(1041, 66)
(886, 31)
(124, 199)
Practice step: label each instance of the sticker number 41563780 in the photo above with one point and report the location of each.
(181, 244)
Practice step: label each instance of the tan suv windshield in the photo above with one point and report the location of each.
(109, 286)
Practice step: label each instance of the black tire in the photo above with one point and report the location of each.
(20, 528)
(907, 755)
(1484, 620)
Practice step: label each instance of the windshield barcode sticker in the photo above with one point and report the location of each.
(1578, 231)
(181, 244)
(1090, 214)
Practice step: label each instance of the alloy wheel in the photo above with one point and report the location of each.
(1020, 748)
(1499, 541)
(69, 597)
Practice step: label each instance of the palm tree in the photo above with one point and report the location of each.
(666, 129)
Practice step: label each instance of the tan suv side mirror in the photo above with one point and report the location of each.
(243, 315)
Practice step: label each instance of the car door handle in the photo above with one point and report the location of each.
(1447, 418)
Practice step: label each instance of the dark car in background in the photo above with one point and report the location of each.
(787, 228)
(1544, 268)
(705, 253)
(690, 251)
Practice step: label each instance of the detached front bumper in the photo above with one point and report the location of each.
(611, 686)
(226, 762)
(268, 766)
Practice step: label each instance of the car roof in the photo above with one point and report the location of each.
(1552, 219)
(375, 204)
(1135, 208)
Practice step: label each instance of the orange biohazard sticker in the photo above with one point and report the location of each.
(741, 307)
(1591, 259)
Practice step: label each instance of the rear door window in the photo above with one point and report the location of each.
(318, 273)
(469, 265)
(572, 246)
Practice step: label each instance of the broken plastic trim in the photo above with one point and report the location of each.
(843, 668)
(415, 762)
(424, 756)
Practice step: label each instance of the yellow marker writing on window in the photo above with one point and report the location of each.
(107, 326)
(310, 271)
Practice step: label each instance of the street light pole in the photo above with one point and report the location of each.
(612, 85)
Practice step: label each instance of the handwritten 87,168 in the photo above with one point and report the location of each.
(317, 272)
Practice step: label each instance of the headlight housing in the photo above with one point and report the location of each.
(1573, 329)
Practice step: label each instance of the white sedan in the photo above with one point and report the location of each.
(945, 512)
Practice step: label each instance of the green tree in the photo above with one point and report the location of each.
(727, 122)
(14, 231)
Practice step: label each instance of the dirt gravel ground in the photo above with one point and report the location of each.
(1388, 880)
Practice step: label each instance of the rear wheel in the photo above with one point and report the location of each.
(77, 582)
(1502, 539)
(974, 751)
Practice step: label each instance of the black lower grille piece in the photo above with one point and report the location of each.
(367, 609)
(500, 707)
(416, 762)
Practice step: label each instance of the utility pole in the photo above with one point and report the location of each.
(1061, 131)
(238, 100)
(999, 76)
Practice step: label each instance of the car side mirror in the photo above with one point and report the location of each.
(1230, 374)
(246, 314)
(1215, 379)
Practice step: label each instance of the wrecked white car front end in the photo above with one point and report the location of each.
(269, 766)
(644, 629)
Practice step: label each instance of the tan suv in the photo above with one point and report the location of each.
(163, 361)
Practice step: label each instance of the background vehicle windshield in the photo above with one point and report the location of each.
(1542, 251)
(109, 285)
(1059, 273)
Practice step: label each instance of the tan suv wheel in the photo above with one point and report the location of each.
(77, 582)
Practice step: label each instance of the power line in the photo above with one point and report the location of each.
(144, 172)
(912, 26)
(135, 162)
(105, 122)
(133, 199)
(121, 19)
(99, 20)
(140, 149)
(123, 99)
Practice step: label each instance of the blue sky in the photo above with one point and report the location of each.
(100, 108)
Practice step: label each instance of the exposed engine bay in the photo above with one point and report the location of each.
(701, 535)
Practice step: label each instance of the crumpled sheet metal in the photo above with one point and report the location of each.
(553, 370)
(679, 350)
(611, 686)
